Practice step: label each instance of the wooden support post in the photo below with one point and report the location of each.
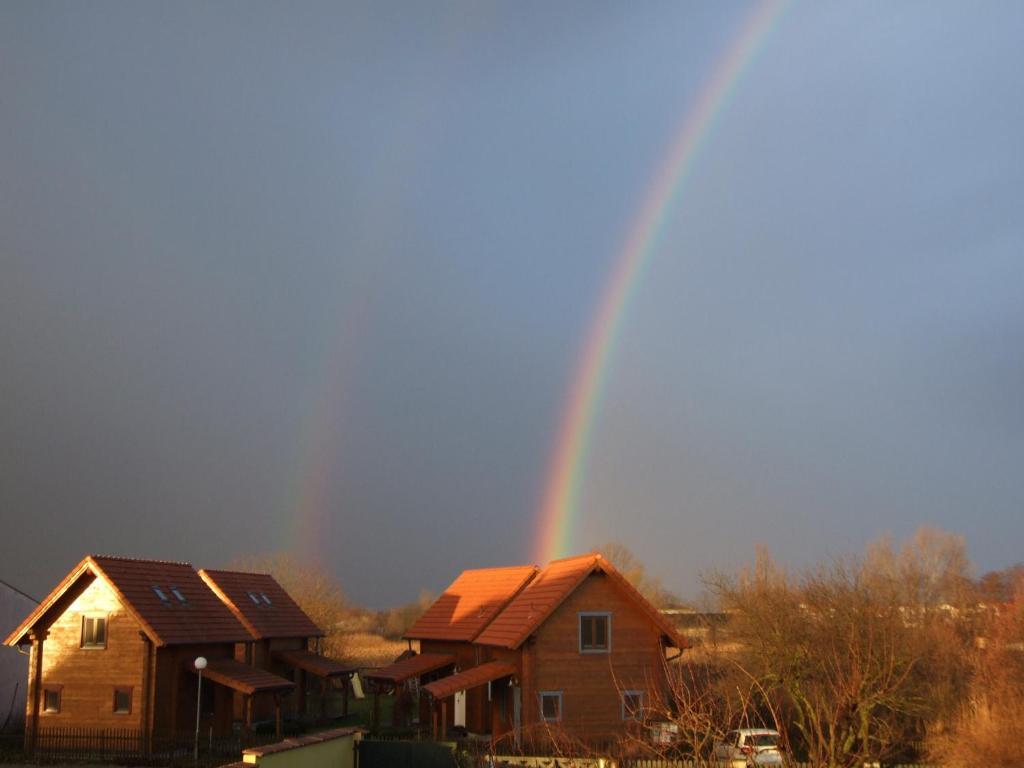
(277, 715)
(433, 719)
(325, 686)
(375, 721)
(444, 719)
(345, 683)
(248, 713)
(35, 692)
(398, 704)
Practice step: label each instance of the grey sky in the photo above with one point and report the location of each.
(315, 276)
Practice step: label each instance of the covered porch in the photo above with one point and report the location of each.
(493, 711)
(329, 672)
(405, 679)
(249, 682)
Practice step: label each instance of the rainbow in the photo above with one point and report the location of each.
(559, 507)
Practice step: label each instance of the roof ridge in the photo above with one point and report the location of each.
(594, 555)
(238, 573)
(127, 559)
(498, 568)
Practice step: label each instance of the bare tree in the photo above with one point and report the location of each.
(858, 655)
(989, 729)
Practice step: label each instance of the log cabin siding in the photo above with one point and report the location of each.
(263, 658)
(88, 676)
(176, 684)
(591, 683)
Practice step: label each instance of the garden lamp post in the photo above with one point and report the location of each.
(200, 664)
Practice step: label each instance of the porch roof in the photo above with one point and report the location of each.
(314, 663)
(243, 678)
(470, 678)
(412, 666)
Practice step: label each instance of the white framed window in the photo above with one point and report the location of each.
(595, 631)
(94, 631)
(551, 706)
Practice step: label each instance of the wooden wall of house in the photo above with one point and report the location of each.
(502, 704)
(87, 676)
(175, 692)
(467, 656)
(591, 683)
(263, 658)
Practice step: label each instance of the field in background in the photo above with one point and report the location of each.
(368, 649)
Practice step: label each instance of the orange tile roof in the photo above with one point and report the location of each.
(470, 602)
(549, 589)
(471, 678)
(282, 617)
(243, 677)
(410, 666)
(201, 618)
(321, 666)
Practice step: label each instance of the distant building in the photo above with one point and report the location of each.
(14, 605)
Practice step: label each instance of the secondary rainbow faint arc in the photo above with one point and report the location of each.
(560, 504)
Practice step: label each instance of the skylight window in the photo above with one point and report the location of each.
(265, 598)
(180, 597)
(162, 595)
(252, 596)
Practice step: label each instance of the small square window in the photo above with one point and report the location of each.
(632, 705)
(161, 595)
(551, 706)
(51, 699)
(595, 632)
(122, 700)
(254, 598)
(180, 597)
(94, 631)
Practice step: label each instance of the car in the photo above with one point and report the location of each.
(746, 747)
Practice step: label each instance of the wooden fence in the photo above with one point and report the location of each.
(376, 751)
(499, 761)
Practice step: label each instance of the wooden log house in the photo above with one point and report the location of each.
(284, 641)
(573, 647)
(113, 647)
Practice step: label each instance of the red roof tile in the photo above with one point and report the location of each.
(244, 594)
(244, 678)
(549, 589)
(411, 666)
(470, 602)
(321, 666)
(471, 678)
(199, 618)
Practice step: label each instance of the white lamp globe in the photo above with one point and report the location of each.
(200, 662)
